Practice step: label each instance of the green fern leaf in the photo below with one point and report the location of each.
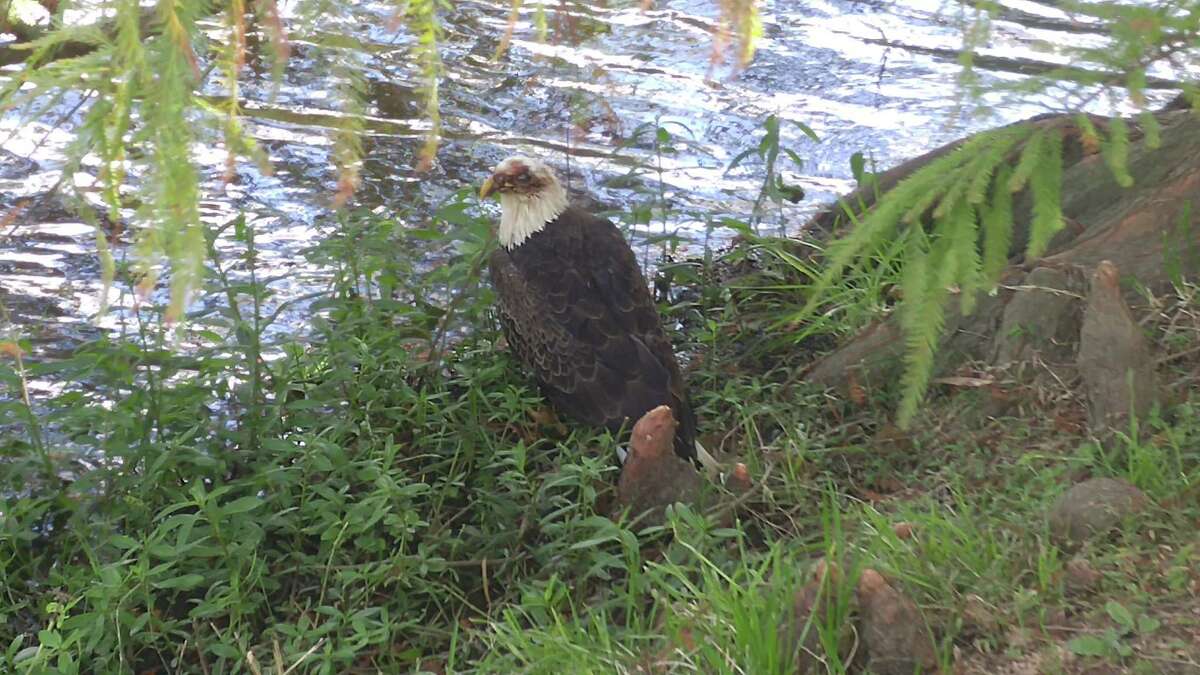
(1046, 184)
(979, 155)
(1151, 130)
(914, 281)
(994, 157)
(935, 191)
(942, 264)
(347, 145)
(1116, 151)
(173, 203)
(997, 226)
(929, 187)
(979, 170)
(922, 318)
(964, 249)
(1030, 155)
(1135, 85)
(872, 229)
(1088, 136)
(866, 231)
(425, 23)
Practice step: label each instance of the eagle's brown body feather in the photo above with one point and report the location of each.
(576, 311)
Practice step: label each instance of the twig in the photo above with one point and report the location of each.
(252, 662)
(487, 592)
(304, 656)
(1045, 289)
(1176, 355)
(200, 655)
(482, 562)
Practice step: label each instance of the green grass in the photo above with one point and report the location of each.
(377, 497)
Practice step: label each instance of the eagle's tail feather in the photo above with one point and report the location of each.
(707, 461)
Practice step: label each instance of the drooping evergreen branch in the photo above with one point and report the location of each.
(956, 216)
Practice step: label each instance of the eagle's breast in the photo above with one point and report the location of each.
(577, 312)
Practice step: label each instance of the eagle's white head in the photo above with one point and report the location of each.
(530, 197)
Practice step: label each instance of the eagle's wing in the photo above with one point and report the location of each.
(588, 328)
(540, 342)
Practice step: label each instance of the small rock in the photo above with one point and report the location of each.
(903, 531)
(894, 631)
(654, 477)
(799, 636)
(1094, 506)
(1115, 360)
(1080, 577)
(739, 481)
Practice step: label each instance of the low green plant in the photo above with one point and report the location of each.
(1113, 642)
(768, 152)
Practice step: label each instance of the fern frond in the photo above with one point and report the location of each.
(268, 12)
(29, 90)
(942, 265)
(347, 147)
(1116, 151)
(1030, 155)
(996, 156)
(1150, 128)
(749, 30)
(922, 318)
(1046, 186)
(980, 168)
(932, 183)
(541, 25)
(130, 64)
(964, 250)
(1088, 136)
(997, 226)
(174, 200)
(424, 22)
(914, 281)
(231, 59)
(1135, 85)
(128, 38)
(906, 198)
(931, 188)
(514, 14)
(44, 46)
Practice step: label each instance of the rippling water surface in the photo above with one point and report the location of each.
(871, 77)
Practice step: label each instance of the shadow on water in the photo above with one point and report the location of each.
(872, 77)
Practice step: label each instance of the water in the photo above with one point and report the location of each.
(871, 77)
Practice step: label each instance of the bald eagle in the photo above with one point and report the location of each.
(576, 310)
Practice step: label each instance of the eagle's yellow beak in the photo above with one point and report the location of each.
(486, 188)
